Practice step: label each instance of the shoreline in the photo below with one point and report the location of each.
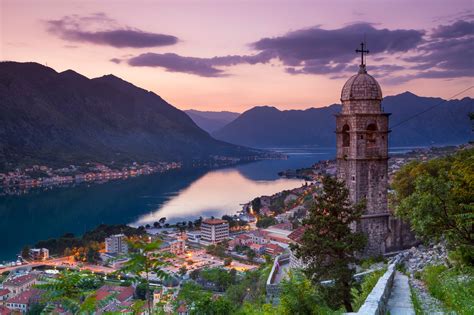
(23, 181)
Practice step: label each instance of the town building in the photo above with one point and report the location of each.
(4, 295)
(20, 284)
(21, 303)
(39, 253)
(116, 244)
(214, 230)
(176, 247)
(194, 236)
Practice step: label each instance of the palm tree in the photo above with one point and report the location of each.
(145, 259)
(73, 290)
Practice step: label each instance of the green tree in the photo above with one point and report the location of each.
(256, 204)
(35, 309)
(437, 198)
(144, 260)
(329, 247)
(183, 270)
(92, 252)
(299, 296)
(264, 222)
(202, 302)
(71, 288)
(25, 252)
(250, 254)
(220, 277)
(227, 261)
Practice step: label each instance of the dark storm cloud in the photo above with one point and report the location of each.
(78, 29)
(205, 67)
(458, 29)
(447, 53)
(319, 51)
(116, 60)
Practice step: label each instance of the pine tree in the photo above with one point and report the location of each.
(329, 245)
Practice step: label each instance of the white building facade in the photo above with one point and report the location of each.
(214, 230)
(116, 244)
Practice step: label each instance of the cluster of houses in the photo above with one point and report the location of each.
(43, 176)
(18, 295)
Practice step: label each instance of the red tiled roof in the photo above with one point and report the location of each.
(243, 236)
(4, 292)
(4, 310)
(297, 234)
(277, 238)
(123, 293)
(25, 296)
(255, 246)
(260, 233)
(214, 221)
(273, 246)
(19, 281)
(182, 308)
(284, 226)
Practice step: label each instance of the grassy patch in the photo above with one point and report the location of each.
(367, 262)
(360, 294)
(454, 287)
(416, 302)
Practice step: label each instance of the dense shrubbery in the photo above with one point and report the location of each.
(359, 294)
(58, 246)
(264, 222)
(437, 198)
(454, 287)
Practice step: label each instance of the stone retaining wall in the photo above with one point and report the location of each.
(376, 302)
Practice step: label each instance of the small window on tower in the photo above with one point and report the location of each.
(346, 138)
(353, 178)
(371, 140)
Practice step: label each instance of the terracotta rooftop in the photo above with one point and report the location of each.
(123, 293)
(284, 226)
(4, 310)
(4, 292)
(214, 221)
(19, 281)
(297, 234)
(25, 297)
(242, 236)
(182, 308)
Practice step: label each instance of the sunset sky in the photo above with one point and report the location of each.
(233, 55)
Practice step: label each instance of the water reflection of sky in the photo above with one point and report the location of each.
(223, 191)
(214, 194)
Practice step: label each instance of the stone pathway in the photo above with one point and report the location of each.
(399, 302)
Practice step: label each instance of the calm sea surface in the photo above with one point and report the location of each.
(177, 195)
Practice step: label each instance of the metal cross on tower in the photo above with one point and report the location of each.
(362, 51)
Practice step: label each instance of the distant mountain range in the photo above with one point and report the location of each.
(267, 126)
(65, 118)
(211, 121)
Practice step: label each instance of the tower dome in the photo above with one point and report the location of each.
(361, 86)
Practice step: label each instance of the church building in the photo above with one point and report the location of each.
(362, 153)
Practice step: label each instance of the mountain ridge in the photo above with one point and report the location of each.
(210, 120)
(66, 118)
(267, 126)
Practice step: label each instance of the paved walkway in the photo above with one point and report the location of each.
(399, 302)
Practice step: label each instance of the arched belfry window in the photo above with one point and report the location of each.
(346, 138)
(371, 138)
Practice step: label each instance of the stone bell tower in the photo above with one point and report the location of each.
(362, 153)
